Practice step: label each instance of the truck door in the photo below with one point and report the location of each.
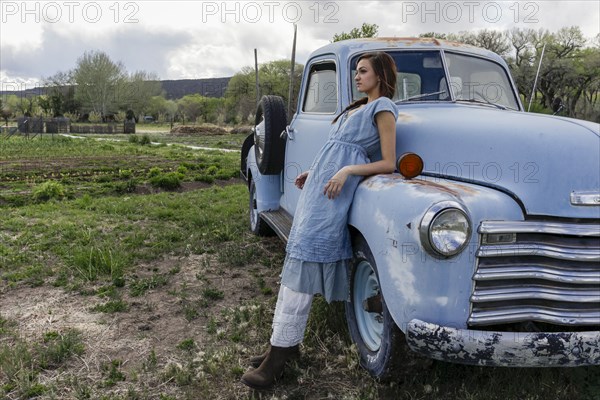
(308, 131)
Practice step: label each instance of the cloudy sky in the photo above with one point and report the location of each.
(206, 39)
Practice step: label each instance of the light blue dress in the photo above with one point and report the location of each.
(319, 248)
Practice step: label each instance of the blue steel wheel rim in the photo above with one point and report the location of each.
(370, 325)
(253, 210)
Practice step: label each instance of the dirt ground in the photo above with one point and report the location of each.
(155, 322)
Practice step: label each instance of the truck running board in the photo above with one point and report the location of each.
(280, 221)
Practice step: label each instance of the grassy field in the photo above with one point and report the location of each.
(128, 272)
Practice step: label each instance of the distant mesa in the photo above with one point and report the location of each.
(213, 87)
(174, 89)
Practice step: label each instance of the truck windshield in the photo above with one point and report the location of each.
(421, 77)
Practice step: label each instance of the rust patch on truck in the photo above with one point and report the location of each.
(381, 182)
(454, 189)
(434, 185)
(391, 41)
(404, 117)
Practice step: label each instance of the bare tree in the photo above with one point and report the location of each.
(60, 91)
(433, 35)
(567, 40)
(98, 81)
(274, 78)
(138, 90)
(521, 43)
(5, 112)
(495, 41)
(365, 31)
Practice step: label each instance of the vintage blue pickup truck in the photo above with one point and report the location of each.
(486, 249)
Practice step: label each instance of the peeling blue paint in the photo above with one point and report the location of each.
(540, 349)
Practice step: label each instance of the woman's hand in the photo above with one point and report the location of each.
(334, 186)
(301, 179)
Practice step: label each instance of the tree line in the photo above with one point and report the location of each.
(98, 89)
(569, 73)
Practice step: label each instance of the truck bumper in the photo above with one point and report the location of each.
(510, 349)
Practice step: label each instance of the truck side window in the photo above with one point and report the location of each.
(321, 92)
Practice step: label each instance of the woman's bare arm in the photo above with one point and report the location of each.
(386, 124)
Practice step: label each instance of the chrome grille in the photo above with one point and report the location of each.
(537, 271)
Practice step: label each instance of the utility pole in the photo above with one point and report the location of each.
(291, 92)
(256, 76)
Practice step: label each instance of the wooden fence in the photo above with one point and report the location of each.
(39, 125)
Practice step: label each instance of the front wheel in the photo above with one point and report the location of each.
(379, 341)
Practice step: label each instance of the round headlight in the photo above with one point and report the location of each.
(445, 229)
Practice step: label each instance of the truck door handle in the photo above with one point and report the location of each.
(288, 133)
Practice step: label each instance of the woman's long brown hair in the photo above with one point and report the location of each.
(385, 69)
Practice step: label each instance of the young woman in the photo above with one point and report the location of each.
(319, 248)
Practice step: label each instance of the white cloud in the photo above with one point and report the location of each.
(201, 39)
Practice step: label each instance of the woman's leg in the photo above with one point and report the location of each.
(289, 324)
(291, 316)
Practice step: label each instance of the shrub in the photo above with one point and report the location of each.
(49, 190)
(103, 178)
(186, 344)
(189, 165)
(125, 173)
(145, 140)
(95, 117)
(59, 347)
(128, 186)
(113, 306)
(154, 171)
(204, 178)
(168, 181)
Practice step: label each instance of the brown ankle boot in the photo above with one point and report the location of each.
(257, 360)
(269, 370)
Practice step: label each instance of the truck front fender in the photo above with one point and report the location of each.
(387, 211)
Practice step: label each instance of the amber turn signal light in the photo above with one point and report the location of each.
(410, 165)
